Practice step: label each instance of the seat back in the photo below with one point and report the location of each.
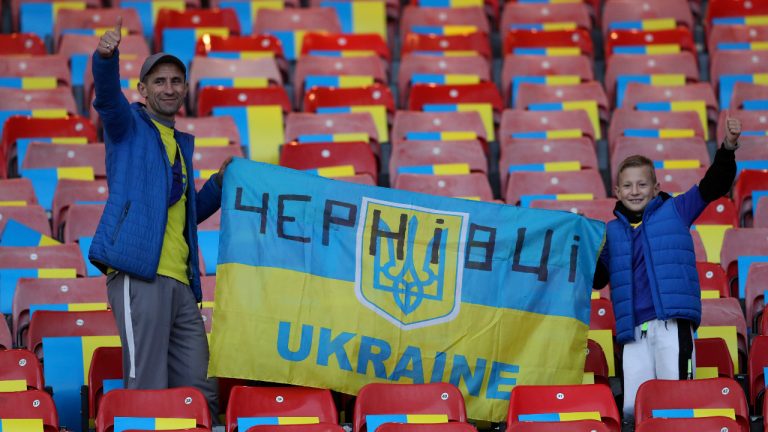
(178, 403)
(30, 404)
(249, 404)
(21, 364)
(61, 324)
(106, 364)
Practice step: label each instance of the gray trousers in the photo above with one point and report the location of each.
(163, 336)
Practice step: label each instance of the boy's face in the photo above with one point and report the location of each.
(636, 188)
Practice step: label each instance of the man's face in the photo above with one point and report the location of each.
(636, 188)
(164, 88)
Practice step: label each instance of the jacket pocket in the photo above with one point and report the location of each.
(120, 221)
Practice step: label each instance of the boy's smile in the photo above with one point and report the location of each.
(636, 188)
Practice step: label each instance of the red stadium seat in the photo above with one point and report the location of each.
(515, 65)
(680, 36)
(16, 191)
(59, 256)
(682, 63)
(576, 38)
(56, 323)
(6, 341)
(727, 312)
(526, 13)
(758, 360)
(600, 209)
(596, 362)
(602, 317)
(473, 185)
(703, 424)
(420, 153)
(19, 99)
(750, 147)
(710, 393)
(247, 402)
(132, 46)
(411, 65)
(69, 192)
(449, 427)
(21, 364)
(180, 402)
(713, 352)
(719, 212)
(324, 97)
(530, 151)
(734, 33)
(344, 42)
(332, 66)
(741, 241)
(81, 221)
(52, 291)
(74, 19)
(257, 43)
(744, 91)
(540, 399)
(732, 8)
(437, 17)
(36, 66)
(436, 398)
(21, 44)
(298, 124)
(624, 118)
(194, 18)
(486, 92)
(322, 155)
(211, 158)
(570, 426)
(45, 155)
(528, 94)
(754, 297)
(298, 21)
(416, 121)
(549, 183)
(107, 363)
(624, 10)
(210, 97)
(32, 216)
(520, 121)
(207, 67)
(477, 43)
(712, 277)
(748, 181)
(210, 127)
(760, 216)
(30, 404)
(736, 62)
(679, 180)
(637, 93)
(658, 149)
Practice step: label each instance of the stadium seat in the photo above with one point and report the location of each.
(422, 20)
(702, 91)
(530, 94)
(679, 180)
(449, 427)
(90, 21)
(713, 353)
(48, 324)
(623, 11)
(185, 27)
(760, 215)
(21, 44)
(738, 242)
(537, 151)
(596, 362)
(81, 221)
(754, 297)
(177, 403)
(49, 66)
(243, 47)
(703, 424)
(211, 158)
(659, 149)
(727, 312)
(462, 45)
(6, 340)
(14, 192)
(323, 44)
(246, 404)
(435, 398)
(21, 100)
(752, 140)
(30, 404)
(734, 34)
(210, 131)
(600, 209)
(758, 361)
(482, 93)
(727, 63)
(305, 127)
(715, 393)
(719, 212)
(533, 42)
(21, 365)
(209, 67)
(416, 125)
(522, 183)
(529, 400)
(746, 93)
(471, 186)
(211, 97)
(57, 292)
(106, 365)
(325, 97)
(602, 317)
(46, 155)
(312, 68)
(424, 153)
(747, 181)
(683, 63)
(290, 25)
(518, 15)
(60, 256)
(545, 125)
(623, 41)
(32, 216)
(443, 70)
(539, 67)
(69, 192)
(647, 124)
(325, 155)
(712, 278)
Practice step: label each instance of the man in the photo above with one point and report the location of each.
(649, 258)
(146, 241)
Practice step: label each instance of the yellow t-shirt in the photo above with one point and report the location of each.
(175, 252)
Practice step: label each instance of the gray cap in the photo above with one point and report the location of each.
(158, 58)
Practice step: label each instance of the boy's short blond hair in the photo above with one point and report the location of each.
(636, 161)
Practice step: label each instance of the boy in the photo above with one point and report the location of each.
(649, 258)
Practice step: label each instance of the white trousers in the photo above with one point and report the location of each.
(661, 352)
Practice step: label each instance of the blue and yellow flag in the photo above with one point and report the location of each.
(331, 284)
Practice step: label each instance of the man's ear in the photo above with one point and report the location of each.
(142, 89)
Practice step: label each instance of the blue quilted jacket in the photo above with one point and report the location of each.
(129, 237)
(670, 261)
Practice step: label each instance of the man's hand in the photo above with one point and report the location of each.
(110, 40)
(220, 175)
(732, 131)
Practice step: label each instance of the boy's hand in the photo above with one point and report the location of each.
(110, 40)
(732, 131)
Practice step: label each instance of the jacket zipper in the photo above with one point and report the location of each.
(123, 216)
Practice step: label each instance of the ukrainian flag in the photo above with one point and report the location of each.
(546, 26)
(333, 138)
(547, 167)
(444, 79)
(67, 307)
(728, 82)
(549, 134)
(21, 425)
(147, 11)
(242, 55)
(548, 51)
(339, 246)
(337, 81)
(291, 41)
(677, 164)
(648, 49)
(208, 242)
(526, 200)
(588, 106)
(485, 110)
(644, 25)
(437, 169)
(44, 181)
(39, 18)
(622, 81)
(333, 171)
(343, 54)
(22, 144)
(659, 133)
(360, 17)
(694, 413)
(441, 136)
(751, 20)
(153, 423)
(373, 421)
(244, 423)
(246, 11)
(182, 42)
(29, 83)
(68, 360)
(34, 113)
(755, 105)
(17, 234)
(260, 127)
(549, 80)
(9, 278)
(447, 30)
(239, 83)
(559, 417)
(697, 106)
(378, 112)
(450, 3)
(742, 46)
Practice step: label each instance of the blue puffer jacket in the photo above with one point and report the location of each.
(129, 237)
(670, 261)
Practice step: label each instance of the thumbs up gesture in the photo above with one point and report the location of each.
(110, 40)
(732, 131)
